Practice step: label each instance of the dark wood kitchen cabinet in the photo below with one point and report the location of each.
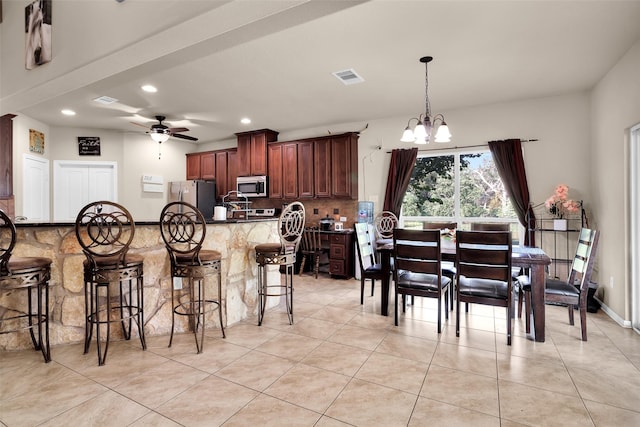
(201, 165)
(221, 173)
(252, 151)
(340, 252)
(274, 154)
(306, 188)
(322, 168)
(290, 170)
(344, 161)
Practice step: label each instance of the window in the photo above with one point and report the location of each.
(461, 186)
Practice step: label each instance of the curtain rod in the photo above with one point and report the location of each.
(467, 146)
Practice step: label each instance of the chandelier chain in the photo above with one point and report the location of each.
(426, 90)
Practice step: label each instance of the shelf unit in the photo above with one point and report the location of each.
(560, 244)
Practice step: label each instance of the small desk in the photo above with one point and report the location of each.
(522, 256)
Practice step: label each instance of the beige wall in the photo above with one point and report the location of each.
(615, 108)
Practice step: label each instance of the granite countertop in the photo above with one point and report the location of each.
(20, 224)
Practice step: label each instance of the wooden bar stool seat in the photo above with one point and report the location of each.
(290, 228)
(28, 274)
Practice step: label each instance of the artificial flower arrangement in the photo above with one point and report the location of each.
(559, 203)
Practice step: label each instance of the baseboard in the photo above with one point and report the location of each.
(613, 315)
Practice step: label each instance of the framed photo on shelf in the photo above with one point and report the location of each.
(36, 141)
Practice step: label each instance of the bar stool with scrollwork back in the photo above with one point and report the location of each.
(112, 276)
(183, 229)
(283, 253)
(32, 275)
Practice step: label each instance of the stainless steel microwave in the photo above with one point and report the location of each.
(252, 186)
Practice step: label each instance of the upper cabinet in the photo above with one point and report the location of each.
(325, 167)
(252, 151)
(344, 162)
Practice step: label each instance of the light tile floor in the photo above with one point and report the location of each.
(340, 364)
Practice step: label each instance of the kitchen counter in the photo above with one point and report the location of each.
(234, 239)
(20, 224)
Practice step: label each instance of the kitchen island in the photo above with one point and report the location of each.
(234, 239)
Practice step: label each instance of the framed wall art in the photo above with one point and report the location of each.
(37, 21)
(36, 141)
(89, 145)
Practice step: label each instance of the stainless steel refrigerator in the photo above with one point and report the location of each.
(201, 194)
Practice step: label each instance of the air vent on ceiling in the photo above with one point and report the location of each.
(348, 77)
(106, 100)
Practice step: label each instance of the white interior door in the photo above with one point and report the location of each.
(76, 183)
(35, 188)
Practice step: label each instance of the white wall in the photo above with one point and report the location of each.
(615, 107)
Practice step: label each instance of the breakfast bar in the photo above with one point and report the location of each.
(234, 239)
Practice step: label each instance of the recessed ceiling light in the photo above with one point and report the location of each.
(149, 88)
(68, 112)
(245, 121)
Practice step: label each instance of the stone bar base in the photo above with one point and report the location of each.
(235, 241)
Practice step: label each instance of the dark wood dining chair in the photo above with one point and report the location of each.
(448, 267)
(418, 269)
(310, 247)
(483, 263)
(573, 291)
(490, 226)
(369, 268)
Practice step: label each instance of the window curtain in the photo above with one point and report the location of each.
(507, 155)
(400, 170)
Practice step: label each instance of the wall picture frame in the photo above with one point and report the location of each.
(36, 141)
(37, 29)
(89, 145)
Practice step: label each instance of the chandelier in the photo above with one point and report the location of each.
(421, 134)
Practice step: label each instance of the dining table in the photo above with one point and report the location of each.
(532, 258)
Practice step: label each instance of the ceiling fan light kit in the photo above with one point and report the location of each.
(421, 134)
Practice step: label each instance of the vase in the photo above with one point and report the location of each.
(560, 224)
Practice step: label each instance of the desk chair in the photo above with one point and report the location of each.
(28, 274)
(112, 276)
(483, 263)
(183, 229)
(310, 247)
(573, 291)
(418, 269)
(281, 254)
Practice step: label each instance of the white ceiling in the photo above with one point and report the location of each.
(277, 69)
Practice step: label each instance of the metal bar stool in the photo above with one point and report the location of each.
(112, 276)
(32, 275)
(290, 228)
(183, 230)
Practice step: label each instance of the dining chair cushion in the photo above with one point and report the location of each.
(448, 268)
(16, 264)
(408, 279)
(375, 268)
(205, 255)
(560, 287)
(105, 262)
(487, 288)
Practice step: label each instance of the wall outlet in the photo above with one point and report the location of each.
(611, 282)
(177, 283)
(343, 219)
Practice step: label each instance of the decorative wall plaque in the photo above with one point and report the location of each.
(36, 141)
(89, 145)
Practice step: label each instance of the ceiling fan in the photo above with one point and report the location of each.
(160, 132)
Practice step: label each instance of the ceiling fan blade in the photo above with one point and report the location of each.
(176, 130)
(138, 124)
(187, 137)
